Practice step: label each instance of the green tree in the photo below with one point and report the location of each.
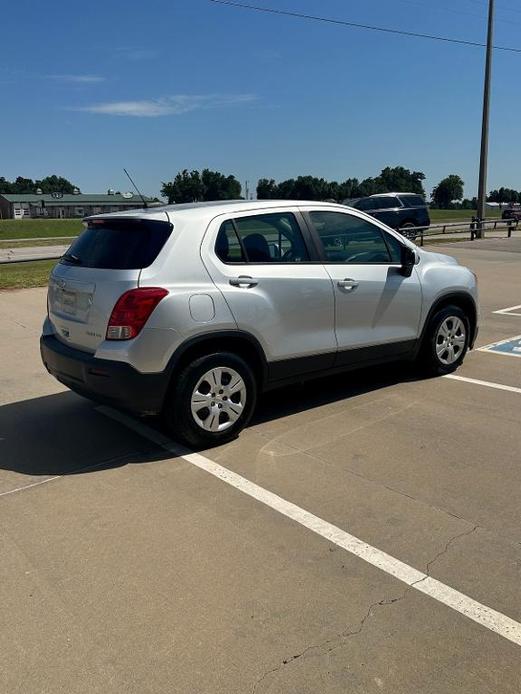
(192, 186)
(217, 186)
(400, 180)
(186, 187)
(23, 185)
(447, 190)
(503, 195)
(286, 189)
(267, 189)
(5, 185)
(52, 184)
(349, 189)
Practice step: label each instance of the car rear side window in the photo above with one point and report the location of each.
(413, 200)
(266, 238)
(349, 239)
(228, 247)
(118, 244)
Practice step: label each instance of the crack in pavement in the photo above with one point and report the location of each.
(338, 640)
(342, 637)
(449, 543)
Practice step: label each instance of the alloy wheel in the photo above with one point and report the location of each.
(451, 339)
(218, 399)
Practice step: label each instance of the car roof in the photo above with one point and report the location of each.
(214, 208)
(392, 195)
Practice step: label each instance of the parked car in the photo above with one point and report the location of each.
(191, 310)
(401, 211)
(512, 212)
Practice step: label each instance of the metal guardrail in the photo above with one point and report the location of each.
(463, 228)
(11, 261)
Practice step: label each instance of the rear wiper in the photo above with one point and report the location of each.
(72, 258)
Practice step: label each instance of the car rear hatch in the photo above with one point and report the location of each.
(104, 262)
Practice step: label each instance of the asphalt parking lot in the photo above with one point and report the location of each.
(131, 566)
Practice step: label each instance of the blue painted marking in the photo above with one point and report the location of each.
(510, 347)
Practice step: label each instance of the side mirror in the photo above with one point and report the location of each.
(408, 261)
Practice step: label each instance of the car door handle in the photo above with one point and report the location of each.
(348, 283)
(243, 281)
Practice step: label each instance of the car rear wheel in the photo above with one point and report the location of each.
(446, 341)
(211, 401)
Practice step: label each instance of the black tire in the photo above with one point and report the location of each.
(177, 412)
(429, 358)
(404, 231)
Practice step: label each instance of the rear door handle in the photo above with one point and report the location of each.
(243, 281)
(348, 283)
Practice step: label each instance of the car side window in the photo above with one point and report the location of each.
(349, 239)
(227, 247)
(386, 203)
(272, 238)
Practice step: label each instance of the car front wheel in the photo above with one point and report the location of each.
(446, 341)
(408, 230)
(211, 401)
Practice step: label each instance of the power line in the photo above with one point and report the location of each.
(356, 25)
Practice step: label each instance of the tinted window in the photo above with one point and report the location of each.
(348, 239)
(272, 238)
(227, 246)
(365, 204)
(386, 203)
(413, 200)
(129, 244)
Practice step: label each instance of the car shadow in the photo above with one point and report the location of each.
(64, 434)
(327, 390)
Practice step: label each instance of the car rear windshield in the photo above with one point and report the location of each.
(123, 244)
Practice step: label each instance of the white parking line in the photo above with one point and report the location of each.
(29, 486)
(488, 384)
(508, 311)
(442, 593)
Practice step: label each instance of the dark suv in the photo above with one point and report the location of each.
(400, 211)
(512, 212)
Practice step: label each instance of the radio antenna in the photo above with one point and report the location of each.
(137, 189)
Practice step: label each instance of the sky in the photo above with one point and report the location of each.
(89, 88)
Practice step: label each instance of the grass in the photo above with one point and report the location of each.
(36, 242)
(38, 228)
(440, 216)
(24, 275)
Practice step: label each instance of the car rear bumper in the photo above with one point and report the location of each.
(110, 382)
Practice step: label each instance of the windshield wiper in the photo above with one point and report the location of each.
(71, 258)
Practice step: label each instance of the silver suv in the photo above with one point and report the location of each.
(191, 310)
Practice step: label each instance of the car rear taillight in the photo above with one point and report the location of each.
(131, 312)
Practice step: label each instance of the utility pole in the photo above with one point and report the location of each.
(483, 164)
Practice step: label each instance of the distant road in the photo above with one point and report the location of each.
(29, 252)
